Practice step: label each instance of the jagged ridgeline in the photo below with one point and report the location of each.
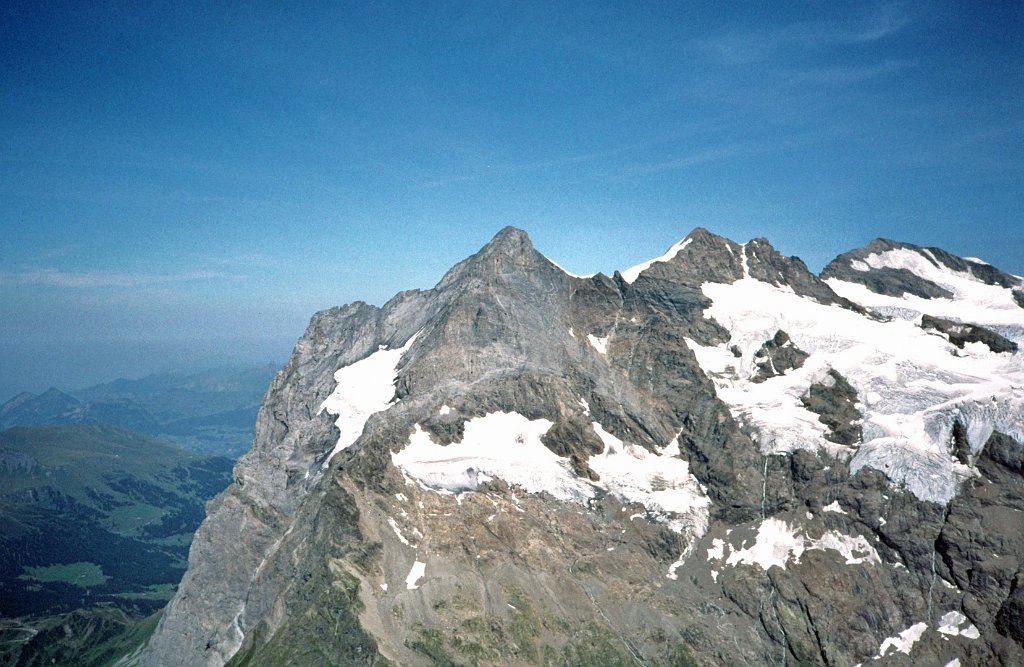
(714, 458)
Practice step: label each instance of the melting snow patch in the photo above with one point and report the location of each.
(415, 574)
(661, 483)
(394, 527)
(508, 446)
(599, 344)
(905, 641)
(952, 623)
(778, 543)
(834, 506)
(505, 445)
(675, 566)
(363, 388)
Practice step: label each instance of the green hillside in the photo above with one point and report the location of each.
(96, 521)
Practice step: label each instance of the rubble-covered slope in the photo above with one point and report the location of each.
(712, 458)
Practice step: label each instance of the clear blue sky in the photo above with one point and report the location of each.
(182, 185)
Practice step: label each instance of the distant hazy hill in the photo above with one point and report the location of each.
(213, 412)
(94, 519)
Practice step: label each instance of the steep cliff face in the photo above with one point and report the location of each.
(715, 457)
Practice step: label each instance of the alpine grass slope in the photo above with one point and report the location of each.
(713, 458)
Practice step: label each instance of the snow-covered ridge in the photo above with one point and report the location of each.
(911, 384)
(566, 272)
(631, 274)
(973, 301)
(364, 388)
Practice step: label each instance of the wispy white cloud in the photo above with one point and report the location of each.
(729, 151)
(747, 47)
(843, 74)
(94, 279)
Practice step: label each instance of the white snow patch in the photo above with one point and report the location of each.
(675, 566)
(415, 574)
(508, 446)
(834, 506)
(599, 344)
(953, 623)
(904, 641)
(394, 527)
(714, 576)
(955, 662)
(632, 273)
(445, 410)
(778, 543)
(363, 388)
(505, 445)
(661, 483)
(911, 386)
(384, 587)
(855, 550)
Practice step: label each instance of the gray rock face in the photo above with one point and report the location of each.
(961, 333)
(355, 558)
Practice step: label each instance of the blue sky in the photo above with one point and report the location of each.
(184, 185)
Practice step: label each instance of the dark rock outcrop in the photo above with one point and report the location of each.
(961, 333)
(834, 400)
(776, 356)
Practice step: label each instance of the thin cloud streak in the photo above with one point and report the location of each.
(756, 46)
(96, 279)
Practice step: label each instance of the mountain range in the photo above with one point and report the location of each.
(715, 457)
(212, 412)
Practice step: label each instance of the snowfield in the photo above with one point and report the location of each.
(364, 388)
(912, 384)
(508, 446)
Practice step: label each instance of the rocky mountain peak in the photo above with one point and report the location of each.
(509, 251)
(520, 467)
(704, 257)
